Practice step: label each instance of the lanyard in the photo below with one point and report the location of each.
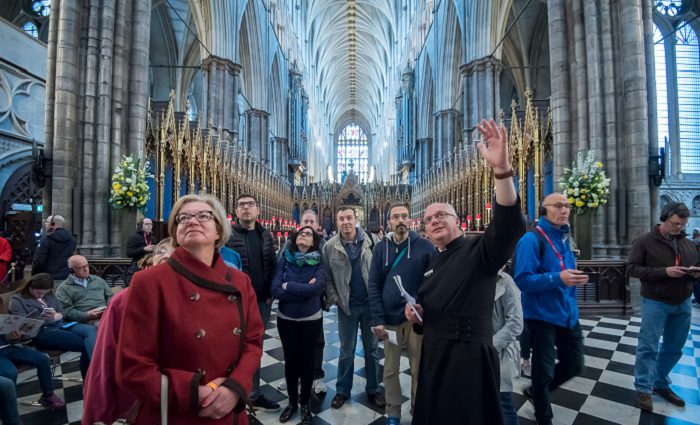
(549, 241)
(676, 253)
(145, 238)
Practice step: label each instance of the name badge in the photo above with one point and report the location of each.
(428, 273)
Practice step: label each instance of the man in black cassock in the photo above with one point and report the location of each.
(458, 380)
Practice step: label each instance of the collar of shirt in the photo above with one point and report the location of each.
(359, 238)
(81, 282)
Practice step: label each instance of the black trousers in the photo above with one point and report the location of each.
(525, 343)
(299, 340)
(318, 354)
(546, 375)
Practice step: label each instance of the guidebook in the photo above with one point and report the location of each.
(26, 327)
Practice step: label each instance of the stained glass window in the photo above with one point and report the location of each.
(669, 7)
(352, 153)
(688, 79)
(31, 29)
(661, 87)
(42, 7)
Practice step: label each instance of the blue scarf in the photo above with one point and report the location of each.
(300, 259)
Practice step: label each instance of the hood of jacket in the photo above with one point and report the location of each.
(412, 236)
(60, 235)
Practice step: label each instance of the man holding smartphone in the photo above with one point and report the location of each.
(666, 263)
(547, 277)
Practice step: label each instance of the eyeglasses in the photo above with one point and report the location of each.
(201, 216)
(559, 205)
(440, 215)
(85, 267)
(306, 234)
(243, 204)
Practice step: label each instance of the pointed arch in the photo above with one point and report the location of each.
(250, 47)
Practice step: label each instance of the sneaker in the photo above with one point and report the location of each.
(643, 401)
(670, 396)
(282, 386)
(52, 402)
(264, 404)
(377, 399)
(393, 420)
(319, 387)
(526, 368)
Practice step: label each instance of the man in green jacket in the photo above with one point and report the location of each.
(84, 296)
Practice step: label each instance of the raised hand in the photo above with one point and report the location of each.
(494, 147)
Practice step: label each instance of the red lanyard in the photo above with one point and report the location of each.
(145, 239)
(676, 253)
(549, 241)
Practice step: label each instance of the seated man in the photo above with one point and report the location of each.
(84, 296)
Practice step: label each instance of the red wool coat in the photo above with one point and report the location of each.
(5, 258)
(191, 330)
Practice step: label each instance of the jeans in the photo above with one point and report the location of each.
(80, 338)
(652, 366)
(12, 355)
(510, 416)
(299, 343)
(547, 375)
(696, 291)
(347, 330)
(265, 315)
(8, 402)
(392, 359)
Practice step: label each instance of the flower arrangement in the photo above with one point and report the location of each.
(585, 184)
(129, 187)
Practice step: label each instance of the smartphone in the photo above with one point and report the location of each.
(593, 277)
(69, 325)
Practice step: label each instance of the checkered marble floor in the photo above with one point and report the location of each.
(604, 393)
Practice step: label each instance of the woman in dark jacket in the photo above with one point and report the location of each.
(36, 301)
(298, 285)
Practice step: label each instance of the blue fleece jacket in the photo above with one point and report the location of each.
(544, 295)
(385, 301)
(301, 298)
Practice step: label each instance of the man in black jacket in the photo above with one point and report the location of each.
(256, 248)
(54, 249)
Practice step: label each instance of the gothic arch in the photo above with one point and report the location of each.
(251, 48)
(449, 54)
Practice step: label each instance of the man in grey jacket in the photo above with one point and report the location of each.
(348, 256)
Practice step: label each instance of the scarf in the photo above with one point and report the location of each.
(300, 259)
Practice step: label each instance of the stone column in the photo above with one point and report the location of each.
(448, 131)
(97, 97)
(480, 80)
(219, 104)
(600, 101)
(258, 127)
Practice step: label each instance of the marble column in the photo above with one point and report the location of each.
(258, 130)
(221, 86)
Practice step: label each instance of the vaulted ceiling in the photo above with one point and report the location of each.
(350, 42)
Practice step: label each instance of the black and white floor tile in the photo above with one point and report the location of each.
(604, 394)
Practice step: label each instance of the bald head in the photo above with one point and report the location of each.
(557, 209)
(78, 266)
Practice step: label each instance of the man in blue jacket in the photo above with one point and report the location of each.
(545, 271)
(406, 254)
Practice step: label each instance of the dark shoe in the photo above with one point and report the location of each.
(670, 396)
(288, 412)
(52, 402)
(643, 401)
(306, 417)
(527, 392)
(338, 401)
(264, 404)
(377, 399)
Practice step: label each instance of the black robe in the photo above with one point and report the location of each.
(459, 371)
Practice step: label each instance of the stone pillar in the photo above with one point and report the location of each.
(448, 131)
(219, 104)
(97, 88)
(600, 101)
(295, 149)
(258, 127)
(282, 159)
(480, 79)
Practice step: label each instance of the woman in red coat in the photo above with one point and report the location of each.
(195, 321)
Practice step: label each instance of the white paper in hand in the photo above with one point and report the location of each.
(392, 337)
(408, 297)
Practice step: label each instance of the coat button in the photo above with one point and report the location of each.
(237, 331)
(200, 333)
(232, 298)
(195, 296)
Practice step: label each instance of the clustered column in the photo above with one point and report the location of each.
(221, 85)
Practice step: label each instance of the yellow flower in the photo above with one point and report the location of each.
(593, 204)
(571, 200)
(579, 203)
(116, 186)
(583, 196)
(599, 164)
(129, 193)
(570, 191)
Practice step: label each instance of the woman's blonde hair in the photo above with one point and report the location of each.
(222, 226)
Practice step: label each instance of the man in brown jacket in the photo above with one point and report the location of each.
(665, 261)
